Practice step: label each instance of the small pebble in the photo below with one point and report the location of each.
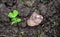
(35, 19)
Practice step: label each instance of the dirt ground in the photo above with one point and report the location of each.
(49, 9)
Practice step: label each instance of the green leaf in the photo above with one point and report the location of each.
(18, 20)
(10, 15)
(15, 13)
(15, 20)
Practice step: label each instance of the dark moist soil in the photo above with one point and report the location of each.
(49, 9)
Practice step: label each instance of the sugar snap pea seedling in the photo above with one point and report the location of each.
(13, 17)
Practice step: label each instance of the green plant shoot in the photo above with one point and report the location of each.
(13, 16)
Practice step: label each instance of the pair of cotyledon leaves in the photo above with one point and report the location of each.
(13, 17)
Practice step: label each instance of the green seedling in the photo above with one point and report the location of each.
(13, 16)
